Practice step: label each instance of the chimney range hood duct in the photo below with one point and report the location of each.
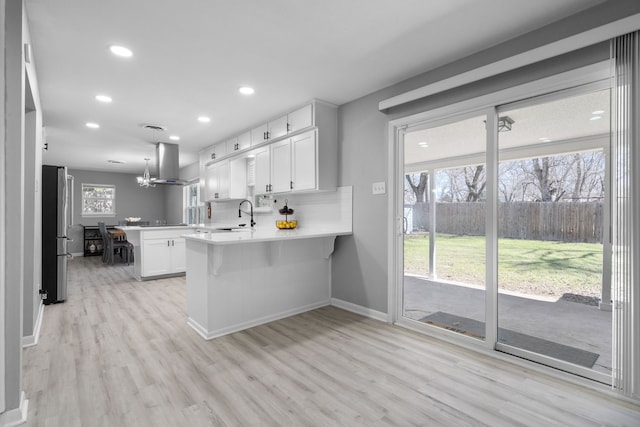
(167, 164)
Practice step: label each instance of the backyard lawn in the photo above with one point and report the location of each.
(529, 266)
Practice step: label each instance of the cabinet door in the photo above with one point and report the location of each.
(281, 166)
(232, 145)
(304, 163)
(211, 182)
(223, 179)
(238, 178)
(300, 119)
(259, 134)
(178, 255)
(262, 171)
(244, 140)
(221, 149)
(278, 127)
(156, 257)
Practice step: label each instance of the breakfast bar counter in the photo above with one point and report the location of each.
(240, 279)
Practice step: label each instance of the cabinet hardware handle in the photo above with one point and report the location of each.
(291, 185)
(270, 187)
(213, 156)
(167, 243)
(268, 134)
(288, 127)
(266, 187)
(264, 135)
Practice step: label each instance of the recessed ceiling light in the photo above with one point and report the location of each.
(103, 98)
(117, 162)
(204, 119)
(121, 51)
(595, 113)
(246, 90)
(595, 118)
(544, 139)
(92, 125)
(174, 138)
(423, 144)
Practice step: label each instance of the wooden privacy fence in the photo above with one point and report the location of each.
(560, 221)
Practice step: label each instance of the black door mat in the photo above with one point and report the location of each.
(476, 329)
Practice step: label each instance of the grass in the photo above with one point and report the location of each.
(527, 266)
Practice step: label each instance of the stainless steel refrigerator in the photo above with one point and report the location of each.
(57, 207)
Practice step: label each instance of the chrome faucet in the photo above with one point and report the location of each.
(250, 213)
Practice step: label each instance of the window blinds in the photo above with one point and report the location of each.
(625, 54)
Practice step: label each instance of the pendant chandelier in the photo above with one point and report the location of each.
(145, 179)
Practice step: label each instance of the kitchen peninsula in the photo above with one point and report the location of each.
(240, 279)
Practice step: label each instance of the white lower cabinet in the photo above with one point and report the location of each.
(163, 255)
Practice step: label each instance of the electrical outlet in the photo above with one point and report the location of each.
(378, 188)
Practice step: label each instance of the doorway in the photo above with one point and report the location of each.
(505, 237)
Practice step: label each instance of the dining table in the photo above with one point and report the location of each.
(117, 234)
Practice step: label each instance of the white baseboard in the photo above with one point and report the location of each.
(31, 340)
(358, 309)
(208, 335)
(77, 254)
(16, 416)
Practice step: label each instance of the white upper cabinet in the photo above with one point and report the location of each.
(232, 145)
(294, 163)
(244, 141)
(294, 152)
(218, 150)
(277, 127)
(226, 180)
(262, 171)
(304, 162)
(259, 134)
(281, 166)
(300, 119)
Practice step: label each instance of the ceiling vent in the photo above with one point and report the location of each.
(156, 128)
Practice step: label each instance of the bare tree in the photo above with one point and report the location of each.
(476, 181)
(418, 184)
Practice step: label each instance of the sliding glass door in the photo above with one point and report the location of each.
(444, 226)
(552, 204)
(536, 188)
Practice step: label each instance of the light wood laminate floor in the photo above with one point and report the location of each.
(119, 353)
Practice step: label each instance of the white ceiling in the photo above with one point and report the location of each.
(191, 56)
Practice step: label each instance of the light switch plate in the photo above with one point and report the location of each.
(378, 188)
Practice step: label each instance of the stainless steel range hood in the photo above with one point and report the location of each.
(167, 164)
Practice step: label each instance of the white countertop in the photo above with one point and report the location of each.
(126, 228)
(264, 235)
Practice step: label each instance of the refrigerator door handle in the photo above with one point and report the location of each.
(70, 181)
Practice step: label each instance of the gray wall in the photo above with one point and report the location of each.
(173, 200)
(12, 200)
(131, 200)
(359, 269)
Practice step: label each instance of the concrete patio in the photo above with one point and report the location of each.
(565, 322)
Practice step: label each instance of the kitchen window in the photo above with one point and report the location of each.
(193, 206)
(98, 200)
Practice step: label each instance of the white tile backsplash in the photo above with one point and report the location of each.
(334, 208)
